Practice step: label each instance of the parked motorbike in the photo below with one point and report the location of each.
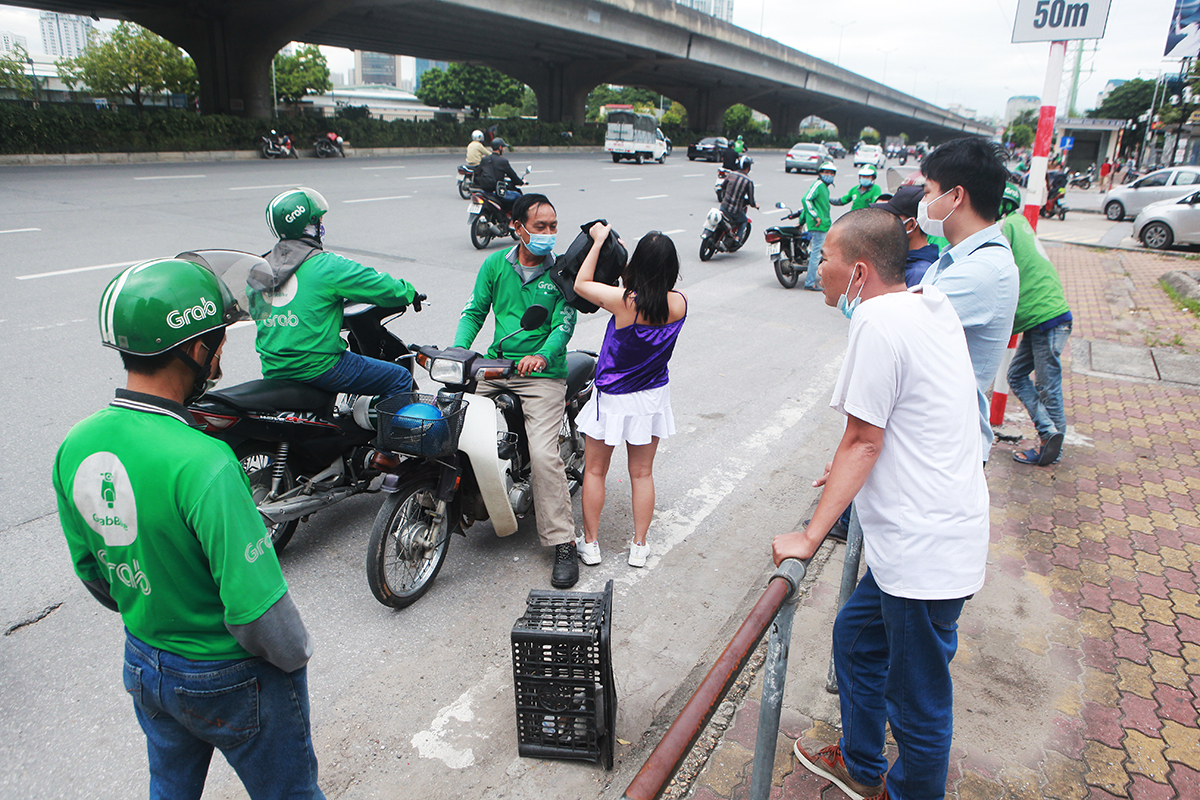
(1083, 180)
(466, 181)
(787, 247)
(464, 462)
(490, 217)
(302, 448)
(1056, 190)
(277, 145)
(721, 237)
(329, 145)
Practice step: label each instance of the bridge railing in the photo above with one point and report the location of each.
(774, 611)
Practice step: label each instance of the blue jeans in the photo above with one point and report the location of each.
(814, 258)
(256, 714)
(1041, 354)
(892, 660)
(355, 374)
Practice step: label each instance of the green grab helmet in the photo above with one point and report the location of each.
(156, 305)
(290, 212)
(826, 166)
(868, 171)
(1010, 201)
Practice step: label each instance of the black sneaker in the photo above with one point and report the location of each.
(566, 566)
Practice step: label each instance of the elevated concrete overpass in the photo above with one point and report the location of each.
(561, 48)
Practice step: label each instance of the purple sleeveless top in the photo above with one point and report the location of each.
(635, 357)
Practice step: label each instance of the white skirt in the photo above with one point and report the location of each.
(633, 418)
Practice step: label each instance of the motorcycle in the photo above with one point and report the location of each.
(278, 146)
(719, 187)
(1083, 180)
(489, 217)
(461, 464)
(720, 237)
(303, 448)
(1056, 190)
(787, 247)
(329, 146)
(466, 181)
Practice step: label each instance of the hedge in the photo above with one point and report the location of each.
(84, 129)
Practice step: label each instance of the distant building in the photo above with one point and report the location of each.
(721, 9)
(384, 102)
(962, 111)
(1107, 90)
(64, 35)
(1019, 104)
(423, 65)
(9, 42)
(380, 69)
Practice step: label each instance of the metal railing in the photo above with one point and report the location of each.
(775, 610)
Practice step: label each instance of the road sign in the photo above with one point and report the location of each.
(1060, 20)
(1066, 143)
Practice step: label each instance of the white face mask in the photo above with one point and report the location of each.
(932, 227)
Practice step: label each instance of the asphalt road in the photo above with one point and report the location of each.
(416, 703)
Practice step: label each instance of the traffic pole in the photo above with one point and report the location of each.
(1035, 193)
(1000, 388)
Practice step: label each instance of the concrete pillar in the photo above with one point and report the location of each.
(785, 119)
(706, 107)
(561, 88)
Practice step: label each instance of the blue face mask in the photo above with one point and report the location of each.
(865, 182)
(847, 306)
(540, 244)
(827, 178)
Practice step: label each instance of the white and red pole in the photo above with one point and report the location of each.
(1035, 193)
(1000, 388)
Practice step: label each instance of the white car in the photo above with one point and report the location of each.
(1169, 222)
(870, 154)
(1171, 183)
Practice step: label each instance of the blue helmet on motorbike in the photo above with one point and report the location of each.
(426, 425)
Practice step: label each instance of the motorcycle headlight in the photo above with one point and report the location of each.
(445, 370)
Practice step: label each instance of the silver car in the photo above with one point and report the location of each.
(1164, 184)
(1169, 222)
(805, 157)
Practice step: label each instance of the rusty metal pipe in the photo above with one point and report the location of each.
(667, 757)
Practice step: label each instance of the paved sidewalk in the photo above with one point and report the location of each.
(1078, 669)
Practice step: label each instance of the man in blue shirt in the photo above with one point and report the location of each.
(964, 182)
(921, 253)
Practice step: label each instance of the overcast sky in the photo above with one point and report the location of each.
(942, 51)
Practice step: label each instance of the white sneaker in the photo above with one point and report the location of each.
(637, 554)
(589, 552)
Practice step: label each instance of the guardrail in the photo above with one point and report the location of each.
(775, 610)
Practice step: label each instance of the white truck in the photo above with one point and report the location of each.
(634, 136)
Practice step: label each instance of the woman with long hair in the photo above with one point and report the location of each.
(632, 402)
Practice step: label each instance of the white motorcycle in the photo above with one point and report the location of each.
(456, 461)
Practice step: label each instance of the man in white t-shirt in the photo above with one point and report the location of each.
(911, 459)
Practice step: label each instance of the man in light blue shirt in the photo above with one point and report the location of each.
(964, 182)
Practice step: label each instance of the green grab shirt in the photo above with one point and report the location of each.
(858, 198)
(300, 323)
(1041, 297)
(816, 206)
(163, 514)
(498, 287)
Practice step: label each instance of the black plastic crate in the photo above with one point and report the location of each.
(562, 674)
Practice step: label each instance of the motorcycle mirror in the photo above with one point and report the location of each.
(534, 317)
(528, 168)
(779, 204)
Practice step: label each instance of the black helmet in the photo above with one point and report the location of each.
(497, 143)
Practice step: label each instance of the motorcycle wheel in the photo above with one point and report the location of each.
(571, 448)
(399, 572)
(1085, 184)
(708, 246)
(464, 189)
(319, 150)
(266, 152)
(1062, 214)
(481, 235)
(786, 273)
(258, 460)
(744, 237)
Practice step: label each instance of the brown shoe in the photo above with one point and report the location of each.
(828, 763)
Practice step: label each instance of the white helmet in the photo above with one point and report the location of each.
(477, 135)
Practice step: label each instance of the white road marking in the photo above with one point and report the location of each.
(373, 199)
(21, 230)
(623, 180)
(678, 230)
(168, 177)
(432, 742)
(267, 186)
(653, 196)
(540, 185)
(426, 177)
(695, 175)
(79, 269)
(611, 168)
(401, 166)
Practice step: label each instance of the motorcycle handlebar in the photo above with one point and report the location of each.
(418, 299)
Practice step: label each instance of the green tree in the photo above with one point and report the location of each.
(303, 73)
(131, 62)
(12, 72)
(526, 108)
(469, 86)
(675, 115)
(1128, 101)
(740, 119)
(1028, 118)
(1019, 135)
(604, 95)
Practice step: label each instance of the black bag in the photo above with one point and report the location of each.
(609, 267)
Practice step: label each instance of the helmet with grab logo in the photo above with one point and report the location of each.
(290, 212)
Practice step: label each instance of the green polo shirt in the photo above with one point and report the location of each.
(1041, 297)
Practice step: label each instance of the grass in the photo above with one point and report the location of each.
(1180, 301)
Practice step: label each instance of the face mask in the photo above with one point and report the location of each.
(932, 227)
(540, 244)
(845, 306)
(865, 182)
(826, 178)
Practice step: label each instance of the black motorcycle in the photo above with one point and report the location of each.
(787, 247)
(303, 448)
(466, 181)
(720, 236)
(329, 146)
(276, 145)
(490, 216)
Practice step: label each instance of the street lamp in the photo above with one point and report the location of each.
(841, 30)
(887, 53)
(33, 74)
